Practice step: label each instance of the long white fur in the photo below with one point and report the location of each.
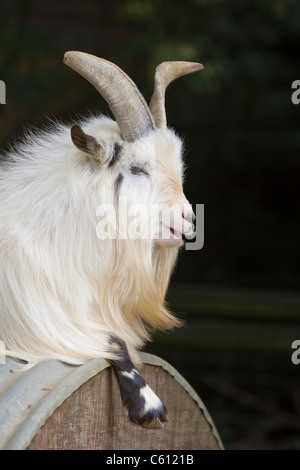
(62, 290)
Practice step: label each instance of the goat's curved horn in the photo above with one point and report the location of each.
(126, 102)
(165, 73)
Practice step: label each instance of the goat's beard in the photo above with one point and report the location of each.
(144, 275)
(140, 277)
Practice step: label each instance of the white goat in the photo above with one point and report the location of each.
(65, 293)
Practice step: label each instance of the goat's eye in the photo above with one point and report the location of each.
(136, 169)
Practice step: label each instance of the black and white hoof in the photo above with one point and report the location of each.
(144, 406)
(146, 410)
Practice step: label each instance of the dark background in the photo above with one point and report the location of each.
(241, 130)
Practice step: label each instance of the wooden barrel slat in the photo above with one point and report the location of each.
(93, 418)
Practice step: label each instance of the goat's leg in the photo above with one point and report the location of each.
(144, 407)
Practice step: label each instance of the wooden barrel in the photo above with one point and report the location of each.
(58, 406)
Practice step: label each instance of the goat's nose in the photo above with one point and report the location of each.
(189, 215)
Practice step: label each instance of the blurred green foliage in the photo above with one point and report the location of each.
(242, 144)
(241, 129)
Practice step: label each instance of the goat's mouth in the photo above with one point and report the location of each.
(175, 237)
(169, 236)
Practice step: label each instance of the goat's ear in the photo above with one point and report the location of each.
(86, 143)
